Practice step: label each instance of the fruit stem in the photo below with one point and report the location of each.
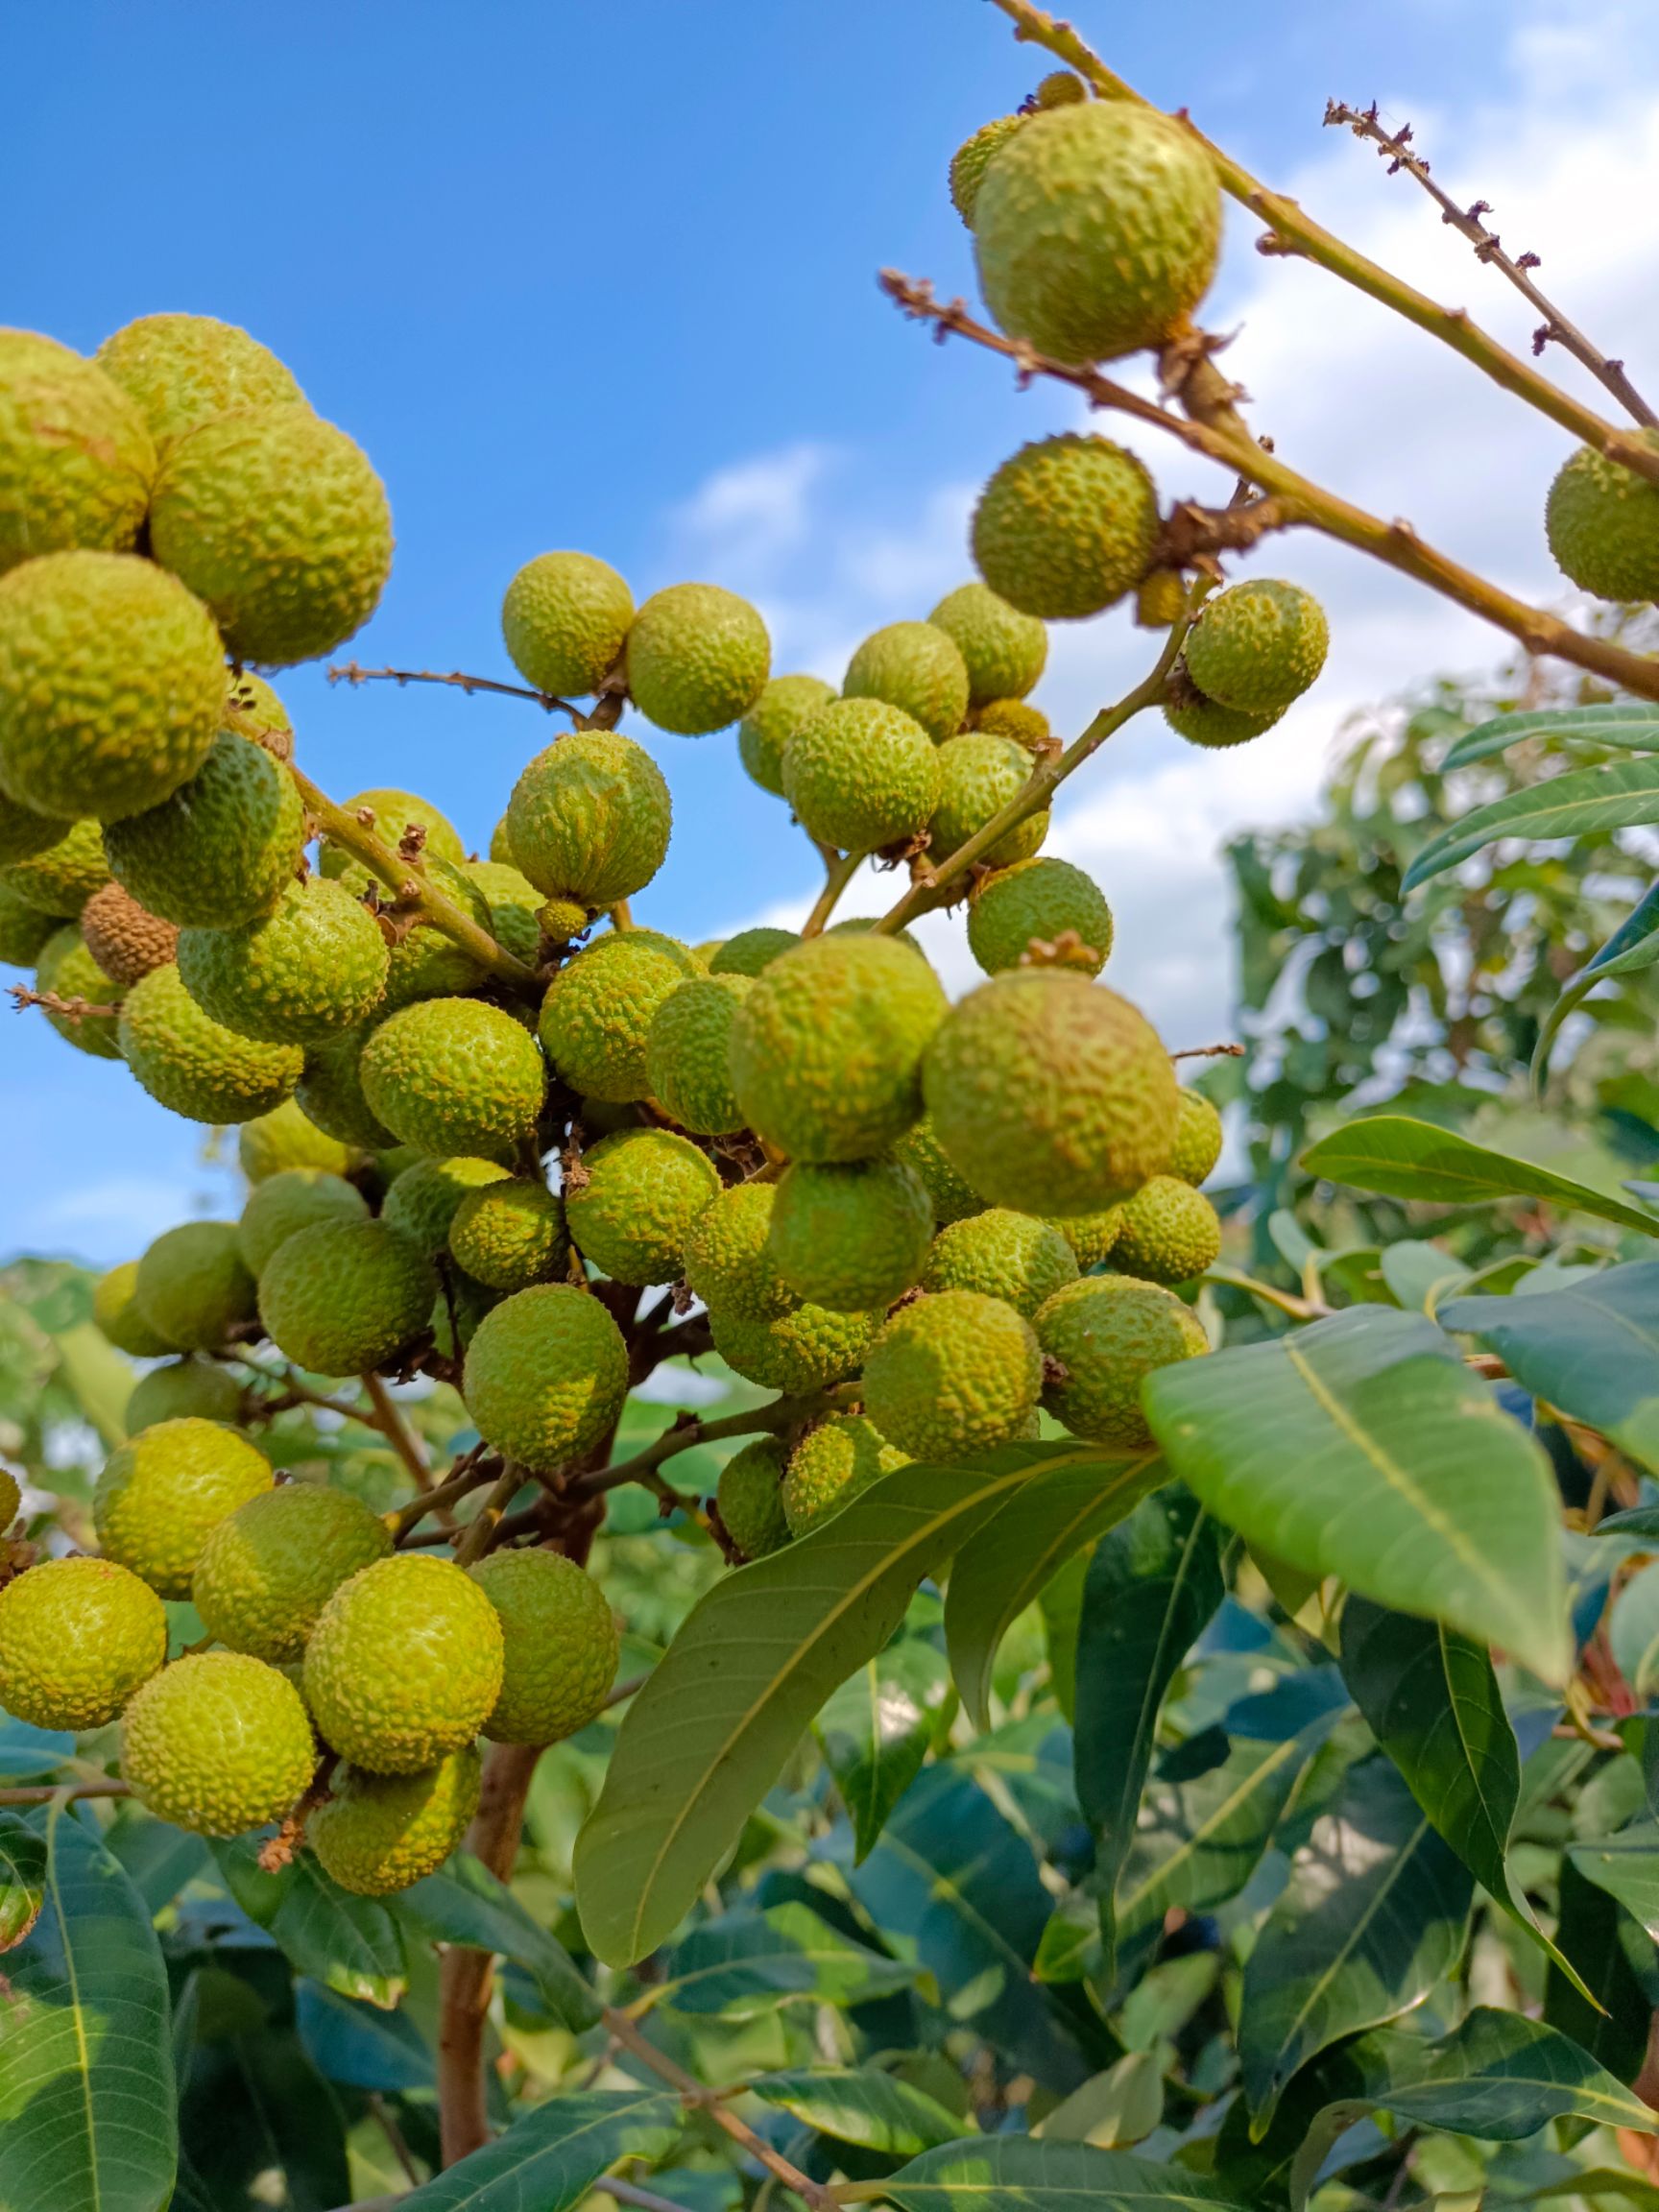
(840, 869)
(487, 1518)
(397, 1431)
(460, 1482)
(759, 1421)
(44, 1792)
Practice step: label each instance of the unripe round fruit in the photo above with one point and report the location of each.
(452, 1075)
(285, 1203)
(61, 879)
(404, 1664)
(1096, 229)
(278, 521)
(560, 1642)
(173, 857)
(287, 1137)
(642, 1190)
(861, 775)
(1002, 1255)
(590, 817)
(597, 1014)
(218, 1743)
(1061, 90)
(765, 730)
(111, 681)
(193, 1285)
(68, 971)
(426, 962)
(728, 1259)
(1197, 1138)
(698, 658)
(510, 1234)
(1168, 1233)
(1090, 1235)
(830, 1465)
(1259, 645)
(1014, 718)
(799, 1351)
(751, 949)
(77, 1638)
(381, 1832)
(116, 1311)
(749, 1500)
(254, 711)
(76, 460)
(23, 832)
(562, 920)
(827, 1048)
(954, 1372)
(23, 929)
(328, 1099)
(951, 1198)
(1050, 1093)
(916, 667)
(395, 814)
(163, 1492)
(1003, 651)
(1066, 527)
(193, 1065)
(1044, 901)
(546, 1374)
(315, 965)
(564, 619)
(1205, 722)
(687, 1053)
(345, 1297)
(1109, 1333)
(181, 370)
(971, 158)
(125, 941)
(267, 1570)
(184, 1390)
(515, 904)
(1603, 523)
(979, 775)
(854, 1236)
(425, 1198)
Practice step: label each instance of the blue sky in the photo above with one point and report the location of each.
(603, 276)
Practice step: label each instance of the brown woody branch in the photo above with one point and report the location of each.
(350, 672)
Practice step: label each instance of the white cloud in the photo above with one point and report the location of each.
(109, 1219)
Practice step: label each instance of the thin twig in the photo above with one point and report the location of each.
(629, 2193)
(683, 1435)
(44, 1792)
(469, 1473)
(65, 1009)
(348, 672)
(1299, 1308)
(839, 872)
(1210, 1052)
(487, 1519)
(626, 1689)
(397, 1431)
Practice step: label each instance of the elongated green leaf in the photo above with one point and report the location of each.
(1121, 2106)
(1615, 1957)
(101, 1380)
(347, 1943)
(465, 1903)
(999, 2173)
(259, 2125)
(552, 2157)
(1406, 1158)
(1377, 1910)
(875, 1730)
(87, 2099)
(746, 1964)
(1633, 946)
(861, 2105)
(1362, 1446)
(1627, 1865)
(360, 2045)
(1630, 723)
(1618, 797)
(742, 1680)
(26, 1752)
(22, 1879)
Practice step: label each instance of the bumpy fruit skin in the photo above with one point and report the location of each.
(1003, 651)
(278, 521)
(972, 158)
(560, 1643)
(184, 1390)
(765, 730)
(1096, 229)
(728, 1259)
(328, 1098)
(1109, 1333)
(77, 1638)
(1603, 523)
(404, 1664)
(590, 817)
(1042, 899)
(267, 1570)
(564, 619)
(111, 681)
(980, 774)
(344, 1297)
(218, 1743)
(396, 813)
(61, 879)
(830, 1465)
(1050, 1093)
(749, 1500)
(23, 832)
(1197, 1138)
(513, 902)
(827, 1048)
(1002, 1255)
(116, 1311)
(424, 1201)
(861, 775)
(1168, 1233)
(76, 460)
(1061, 90)
(916, 667)
(698, 658)
(951, 1198)
(1066, 527)
(286, 1137)
(597, 1014)
(1090, 1235)
(285, 1203)
(510, 1234)
(751, 950)
(23, 929)
(802, 1350)
(546, 1374)
(954, 1372)
(181, 370)
(164, 1491)
(854, 1236)
(426, 962)
(315, 965)
(1014, 718)
(67, 969)
(193, 1065)
(1205, 722)
(687, 1053)
(381, 1832)
(1260, 645)
(193, 1285)
(452, 1075)
(122, 939)
(219, 852)
(644, 1189)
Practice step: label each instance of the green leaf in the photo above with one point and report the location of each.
(347, 1943)
(1419, 1274)
(861, 2105)
(1003, 1569)
(1002, 2173)
(27, 1753)
(1627, 1865)
(758, 1656)
(1124, 2105)
(1376, 1912)
(743, 1964)
(1619, 797)
(1616, 1958)
(1632, 947)
(22, 1879)
(1621, 722)
(465, 1903)
(360, 2045)
(1362, 1446)
(86, 2098)
(260, 2125)
(101, 1379)
(552, 2157)
(1404, 1159)
(875, 1729)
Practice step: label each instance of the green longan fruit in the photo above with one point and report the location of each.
(404, 1664)
(76, 460)
(125, 941)
(218, 1743)
(564, 619)
(1168, 1233)
(453, 1075)
(727, 1258)
(698, 658)
(765, 730)
(314, 966)
(171, 857)
(1096, 229)
(799, 1351)
(951, 1199)
(183, 1389)
(750, 1499)
(426, 962)
(67, 970)
(1003, 651)
(590, 817)
(23, 832)
(381, 1832)
(1603, 523)
(979, 775)
(63, 878)
(345, 1297)
(329, 1100)
(164, 1491)
(1108, 1333)
(193, 1065)
(514, 905)
(278, 521)
(854, 1236)
(253, 709)
(546, 1374)
(561, 1645)
(1090, 1235)
(751, 949)
(971, 158)
(862, 925)
(917, 667)
(827, 1048)
(1002, 1255)
(1014, 718)
(1060, 89)
(510, 1234)
(1205, 722)
(1258, 646)
(1040, 901)
(267, 1570)
(953, 1372)
(1197, 1138)
(193, 1285)
(425, 1198)
(287, 1137)
(1066, 527)
(24, 929)
(77, 1638)
(596, 1016)
(687, 1050)
(395, 815)
(285, 1203)
(116, 1311)
(1050, 1093)
(830, 1465)
(861, 775)
(181, 370)
(111, 681)
(639, 1194)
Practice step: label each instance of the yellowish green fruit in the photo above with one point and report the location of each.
(1066, 527)
(562, 920)
(590, 817)
(951, 1198)
(453, 1075)
(395, 816)
(193, 1065)
(1108, 1333)
(314, 966)
(750, 1499)
(971, 158)
(830, 1465)
(698, 658)
(24, 931)
(117, 1310)
(67, 970)
(564, 619)
(515, 906)
(510, 1234)
(267, 1570)
(181, 370)
(1037, 903)
(917, 667)
(1197, 1138)
(381, 1832)
(853, 1236)
(183, 1389)
(1603, 523)
(559, 1640)
(1016, 718)
(193, 1285)
(1205, 722)
(253, 709)
(596, 1016)
(1168, 1233)
(77, 1638)
(345, 1297)
(765, 730)
(1090, 1235)
(639, 1194)
(502, 844)
(218, 1743)
(283, 1204)
(728, 1258)
(424, 1201)
(173, 858)
(122, 939)
(1002, 1255)
(1259, 645)
(546, 1374)
(426, 962)
(687, 1053)
(286, 1137)
(751, 950)
(76, 460)
(798, 1351)
(979, 775)
(164, 1491)
(329, 1103)
(953, 1372)
(1003, 651)
(861, 775)
(404, 1664)
(1061, 90)
(64, 876)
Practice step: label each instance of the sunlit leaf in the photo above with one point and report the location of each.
(552, 2157)
(875, 1731)
(1621, 722)
(742, 1964)
(1404, 1159)
(861, 2105)
(1619, 797)
(1028, 2173)
(347, 1943)
(465, 1903)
